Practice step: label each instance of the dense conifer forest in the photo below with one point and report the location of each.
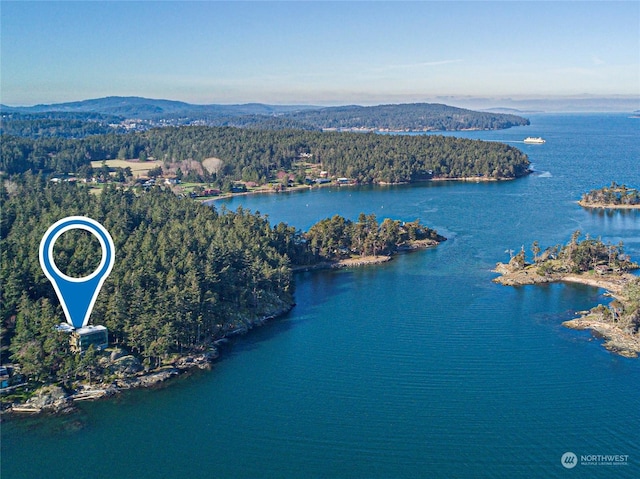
(185, 274)
(337, 237)
(257, 155)
(407, 117)
(58, 124)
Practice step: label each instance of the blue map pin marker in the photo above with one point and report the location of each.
(77, 295)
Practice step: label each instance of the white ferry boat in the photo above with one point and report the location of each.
(535, 141)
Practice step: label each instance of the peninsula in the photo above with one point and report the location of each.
(187, 276)
(593, 263)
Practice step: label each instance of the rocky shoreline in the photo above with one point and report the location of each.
(617, 339)
(54, 399)
(612, 206)
(357, 261)
(344, 263)
(613, 282)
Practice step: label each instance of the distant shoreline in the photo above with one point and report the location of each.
(297, 188)
(407, 130)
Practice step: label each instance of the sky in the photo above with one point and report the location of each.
(331, 53)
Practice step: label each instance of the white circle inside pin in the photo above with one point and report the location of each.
(76, 226)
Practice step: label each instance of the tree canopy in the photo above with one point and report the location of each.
(577, 256)
(407, 117)
(613, 195)
(337, 237)
(367, 158)
(185, 274)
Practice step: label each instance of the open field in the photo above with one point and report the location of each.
(139, 168)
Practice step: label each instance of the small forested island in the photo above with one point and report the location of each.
(613, 196)
(186, 277)
(341, 242)
(592, 262)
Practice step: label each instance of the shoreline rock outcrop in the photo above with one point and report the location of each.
(618, 337)
(130, 374)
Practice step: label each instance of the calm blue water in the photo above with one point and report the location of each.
(417, 368)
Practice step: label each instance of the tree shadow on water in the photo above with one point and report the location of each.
(314, 290)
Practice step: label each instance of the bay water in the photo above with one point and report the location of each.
(420, 367)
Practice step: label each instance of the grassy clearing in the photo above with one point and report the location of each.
(188, 187)
(138, 168)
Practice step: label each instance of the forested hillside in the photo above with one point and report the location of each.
(185, 274)
(407, 117)
(139, 108)
(257, 155)
(58, 124)
(400, 117)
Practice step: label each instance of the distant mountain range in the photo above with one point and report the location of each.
(398, 117)
(133, 107)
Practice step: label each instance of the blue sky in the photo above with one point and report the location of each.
(317, 52)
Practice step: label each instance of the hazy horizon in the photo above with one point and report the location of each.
(619, 103)
(471, 54)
